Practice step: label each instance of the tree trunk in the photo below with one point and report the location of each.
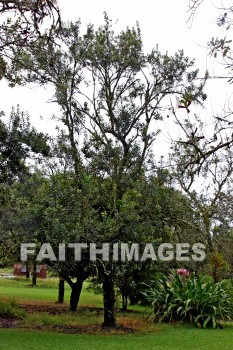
(207, 223)
(124, 302)
(61, 290)
(34, 274)
(76, 289)
(27, 270)
(109, 300)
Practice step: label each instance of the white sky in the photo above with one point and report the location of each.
(162, 22)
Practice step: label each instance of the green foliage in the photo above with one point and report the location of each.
(195, 300)
(10, 309)
(2, 67)
(22, 23)
(18, 142)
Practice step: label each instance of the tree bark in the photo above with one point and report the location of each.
(61, 290)
(27, 270)
(76, 289)
(109, 299)
(34, 274)
(124, 302)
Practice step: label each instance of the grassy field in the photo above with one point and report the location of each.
(29, 334)
(165, 338)
(45, 291)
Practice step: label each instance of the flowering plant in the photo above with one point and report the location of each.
(183, 272)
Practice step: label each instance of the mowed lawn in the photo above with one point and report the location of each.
(167, 337)
(158, 336)
(45, 291)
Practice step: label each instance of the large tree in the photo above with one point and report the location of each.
(111, 94)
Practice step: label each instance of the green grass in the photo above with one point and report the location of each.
(158, 336)
(45, 291)
(165, 338)
(6, 270)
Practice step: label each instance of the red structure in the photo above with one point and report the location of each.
(20, 270)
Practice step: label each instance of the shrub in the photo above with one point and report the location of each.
(10, 309)
(193, 299)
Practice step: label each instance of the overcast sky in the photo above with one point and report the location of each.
(162, 22)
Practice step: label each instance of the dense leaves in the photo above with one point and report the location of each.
(193, 299)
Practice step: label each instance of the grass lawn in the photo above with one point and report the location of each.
(46, 291)
(165, 337)
(142, 334)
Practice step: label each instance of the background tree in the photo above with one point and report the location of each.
(19, 141)
(204, 173)
(56, 207)
(223, 133)
(20, 147)
(23, 22)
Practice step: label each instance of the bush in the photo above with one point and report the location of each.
(10, 309)
(191, 299)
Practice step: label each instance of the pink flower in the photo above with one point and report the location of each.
(183, 272)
